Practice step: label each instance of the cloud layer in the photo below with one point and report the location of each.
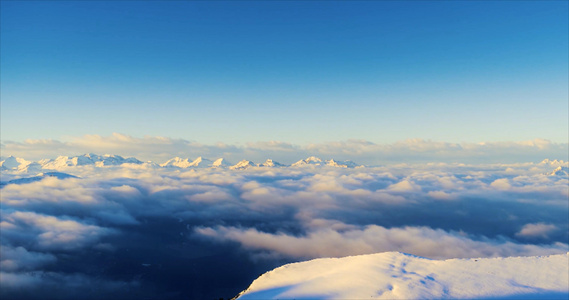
(150, 231)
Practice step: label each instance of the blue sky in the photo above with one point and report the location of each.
(300, 72)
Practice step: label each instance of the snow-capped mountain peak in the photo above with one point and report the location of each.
(559, 171)
(13, 163)
(312, 160)
(270, 163)
(177, 162)
(342, 164)
(244, 164)
(315, 161)
(63, 162)
(221, 163)
(554, 162)
(201, 162)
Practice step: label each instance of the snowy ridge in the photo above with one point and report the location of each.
(201, 163)
(316, 161)
(15, 165)
(394, 275)
(271, 164)
(177, 162)
(18, 165)
(559, 171)
(63, 162)
(244, 164)
(38, 177)
(220, 163)
(554, 162)
(313, 160)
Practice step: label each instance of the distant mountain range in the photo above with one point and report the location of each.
(20, 165)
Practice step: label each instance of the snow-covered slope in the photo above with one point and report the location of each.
(38, 177)
(177, 162)
(63, 162)
(315, 161)
(559, 171)
(12, 162)
(394, 275)
(19, 165)
(15, 165)
(201, 162)
(271, 164)
(341, 164)
(244, 164)
(554, 162)
(221, 163)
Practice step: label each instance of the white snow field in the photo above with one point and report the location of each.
(394, 275)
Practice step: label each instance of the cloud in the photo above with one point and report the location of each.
(160, 149)
(121, 224)
(422, 241)
(49, 232)
(537, 230)
(19, 258)
(42, 285)
(501, 184)
(404, 186)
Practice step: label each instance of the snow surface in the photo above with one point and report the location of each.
(201, 162)
(177, 162)
(271, 164)
(394, 275)
(220, 163)
(554, 162)
(316, 161)
(63, 162)
(19, 165)
(38, 177)
(15, 165)
(244, 164)
(559, 171)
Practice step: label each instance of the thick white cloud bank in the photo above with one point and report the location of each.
(160, 149)
(60, 231)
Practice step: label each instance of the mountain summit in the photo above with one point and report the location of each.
(394, 275)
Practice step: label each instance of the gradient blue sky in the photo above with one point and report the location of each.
(299, 72)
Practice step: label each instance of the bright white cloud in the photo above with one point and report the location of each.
(420, 241)
(539, 230)
(433, 210)
(49, 232)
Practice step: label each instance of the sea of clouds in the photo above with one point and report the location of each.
(141, 231)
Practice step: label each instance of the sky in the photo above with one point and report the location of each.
(298, 72)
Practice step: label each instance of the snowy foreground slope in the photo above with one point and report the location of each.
(394, 275)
